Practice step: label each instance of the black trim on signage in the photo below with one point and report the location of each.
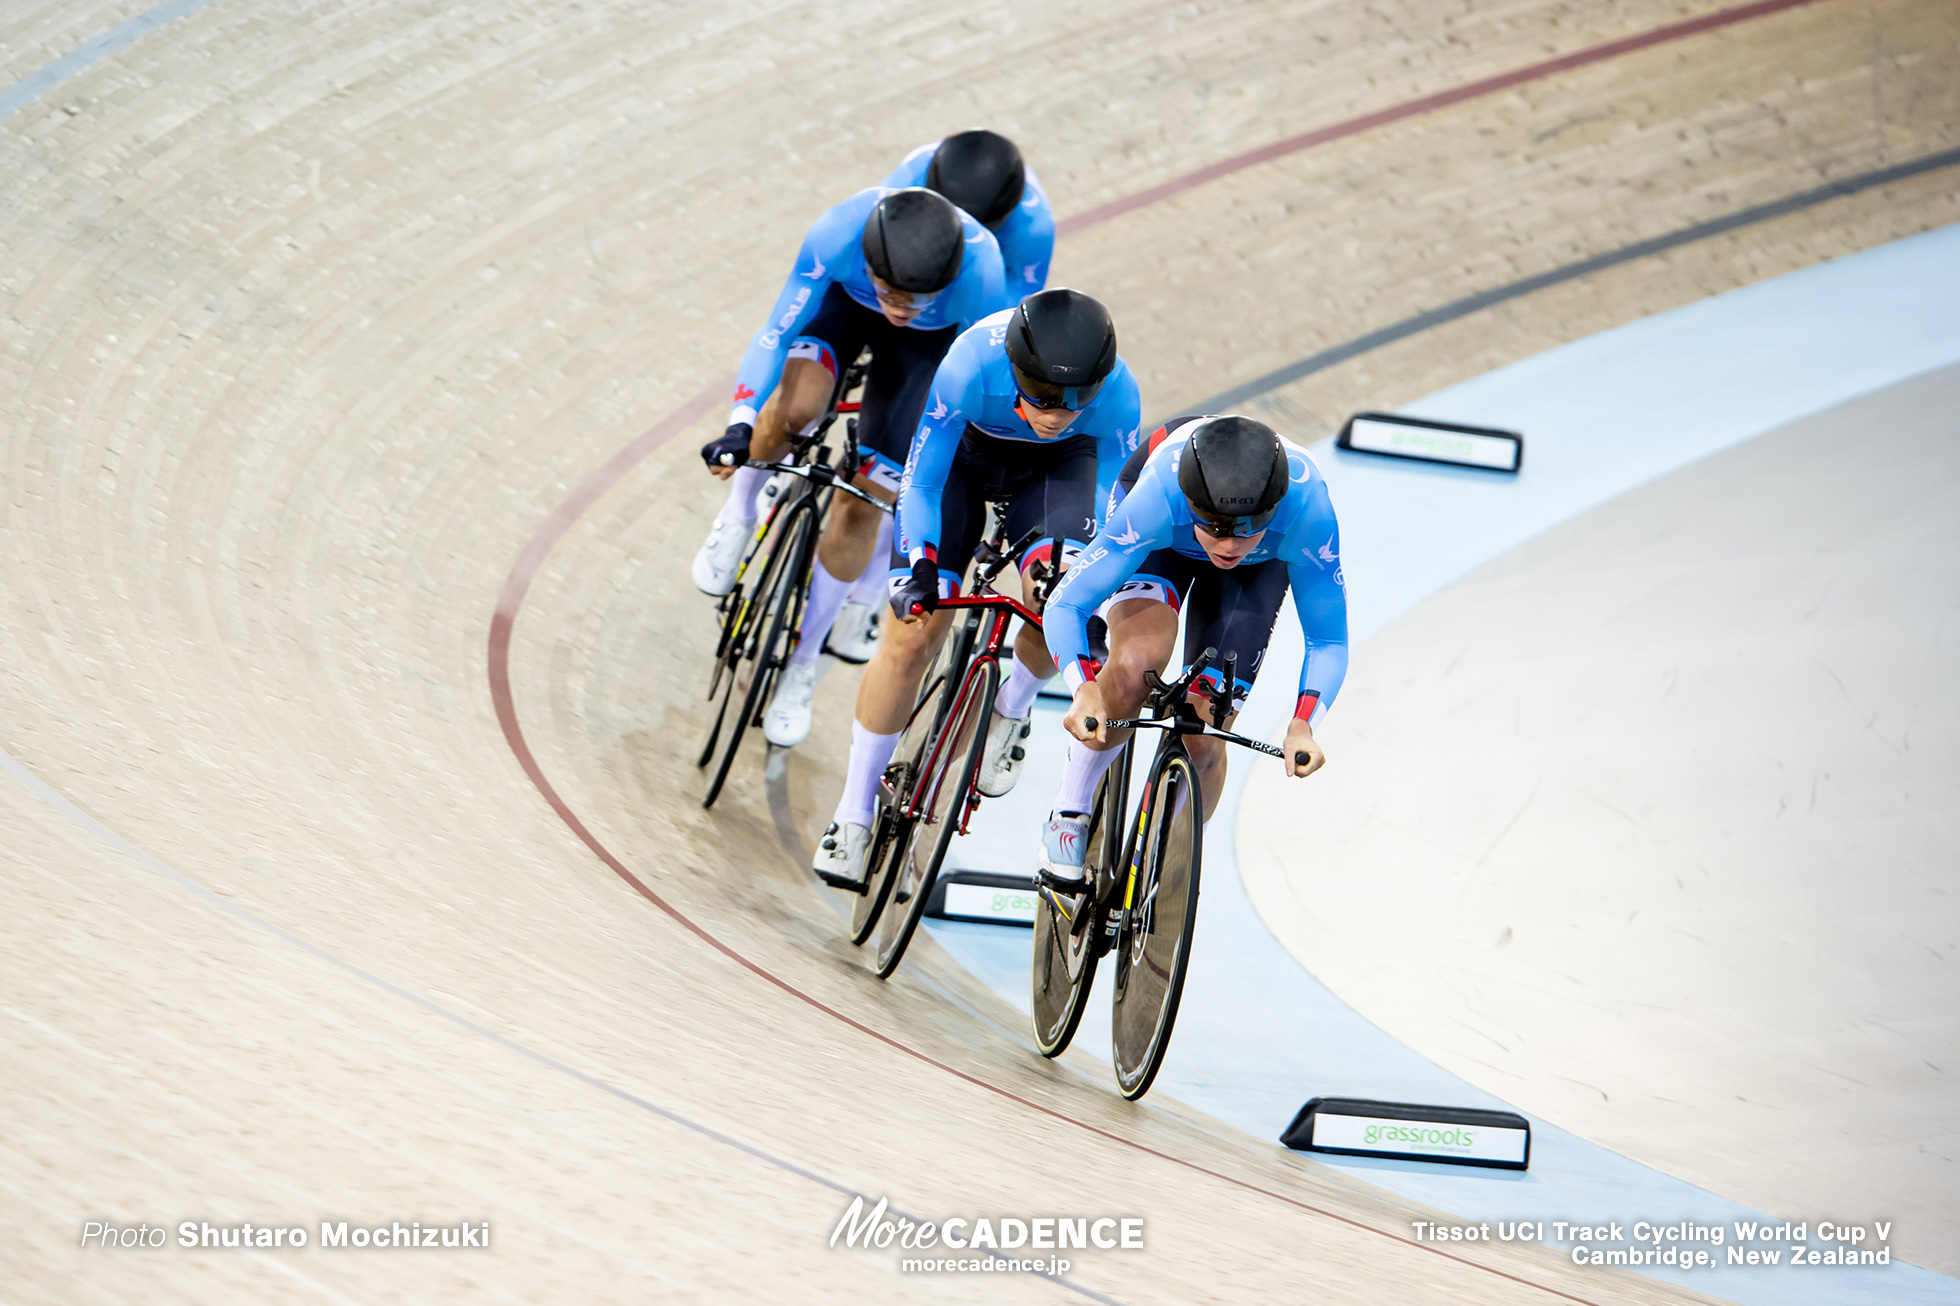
(1225, 401)
(1344, 441)
(936, 904)
(1299, 1134)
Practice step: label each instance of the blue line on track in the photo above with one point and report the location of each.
(91, 52)
(1476, 303)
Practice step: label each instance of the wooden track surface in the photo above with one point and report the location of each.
(314, 315)
(1693, 901)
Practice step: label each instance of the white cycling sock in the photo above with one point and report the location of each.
(1082, 771)
(870, 587)
(826, 596)
(869, 755)
(1018, 690)
(743, 486)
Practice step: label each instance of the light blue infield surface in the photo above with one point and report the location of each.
(1257, 1035)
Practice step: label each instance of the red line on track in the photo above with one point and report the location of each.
(1424, 104)
(524, 571)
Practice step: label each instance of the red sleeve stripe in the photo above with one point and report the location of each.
(1157, 437)
(1303, 710)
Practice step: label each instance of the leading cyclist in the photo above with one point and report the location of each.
(1034, 410)
(1221, 515)
(983, 173)
(903, 271)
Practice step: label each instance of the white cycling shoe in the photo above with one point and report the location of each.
(1064, 843)
(1001, 766)
(841, 856)
(721, 556)
(854, 635)
(787, 722)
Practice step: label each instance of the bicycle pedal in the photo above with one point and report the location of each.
(845, 882)
(1047, 879)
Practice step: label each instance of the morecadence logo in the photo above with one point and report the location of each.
(874, 1228)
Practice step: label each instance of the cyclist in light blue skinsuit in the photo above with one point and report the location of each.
(1222, 513)
(1034, 411)
(903, 271)
(982, 172)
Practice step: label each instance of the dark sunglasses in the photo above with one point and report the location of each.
(1074, 398)
(1239, 526)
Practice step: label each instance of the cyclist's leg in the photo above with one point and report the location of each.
(870, 587)
(800, 399)
(1233, 612)
(805, 389)
(1056, 497)
(1142, 618)
(895, 389)
(830, 341)
(891, 680)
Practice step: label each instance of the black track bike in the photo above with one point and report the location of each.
(930, 792)
(762, 614)
(1141, 906)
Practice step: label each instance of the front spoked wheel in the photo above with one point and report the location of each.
(760, 641)
(946, 781)
(891, 828)
(1153, 941)
(1068, 931)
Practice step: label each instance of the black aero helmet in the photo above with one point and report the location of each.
(1062, 345)
(1234, 469)
(980, 171)
(913, 241)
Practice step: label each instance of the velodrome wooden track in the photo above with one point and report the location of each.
(316, 318)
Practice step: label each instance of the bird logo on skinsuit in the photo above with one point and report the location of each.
(816, 268)
(939, 411)
(1127, 538)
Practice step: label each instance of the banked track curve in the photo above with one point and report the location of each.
(523, 573)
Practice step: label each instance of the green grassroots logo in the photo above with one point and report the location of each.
(1423, 1136)
(1434, 442)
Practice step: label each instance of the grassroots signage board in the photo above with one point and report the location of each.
(1403, 1131)
(1394, 436)
(983, 896)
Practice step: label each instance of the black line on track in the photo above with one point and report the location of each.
(1409, 326)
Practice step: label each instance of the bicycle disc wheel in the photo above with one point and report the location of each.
(946, 780)
(1063, 967)
(890, 826)
(1156, 938)
(760, 650)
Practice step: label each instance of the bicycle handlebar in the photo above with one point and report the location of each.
(822, 473)
(1213, 732)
